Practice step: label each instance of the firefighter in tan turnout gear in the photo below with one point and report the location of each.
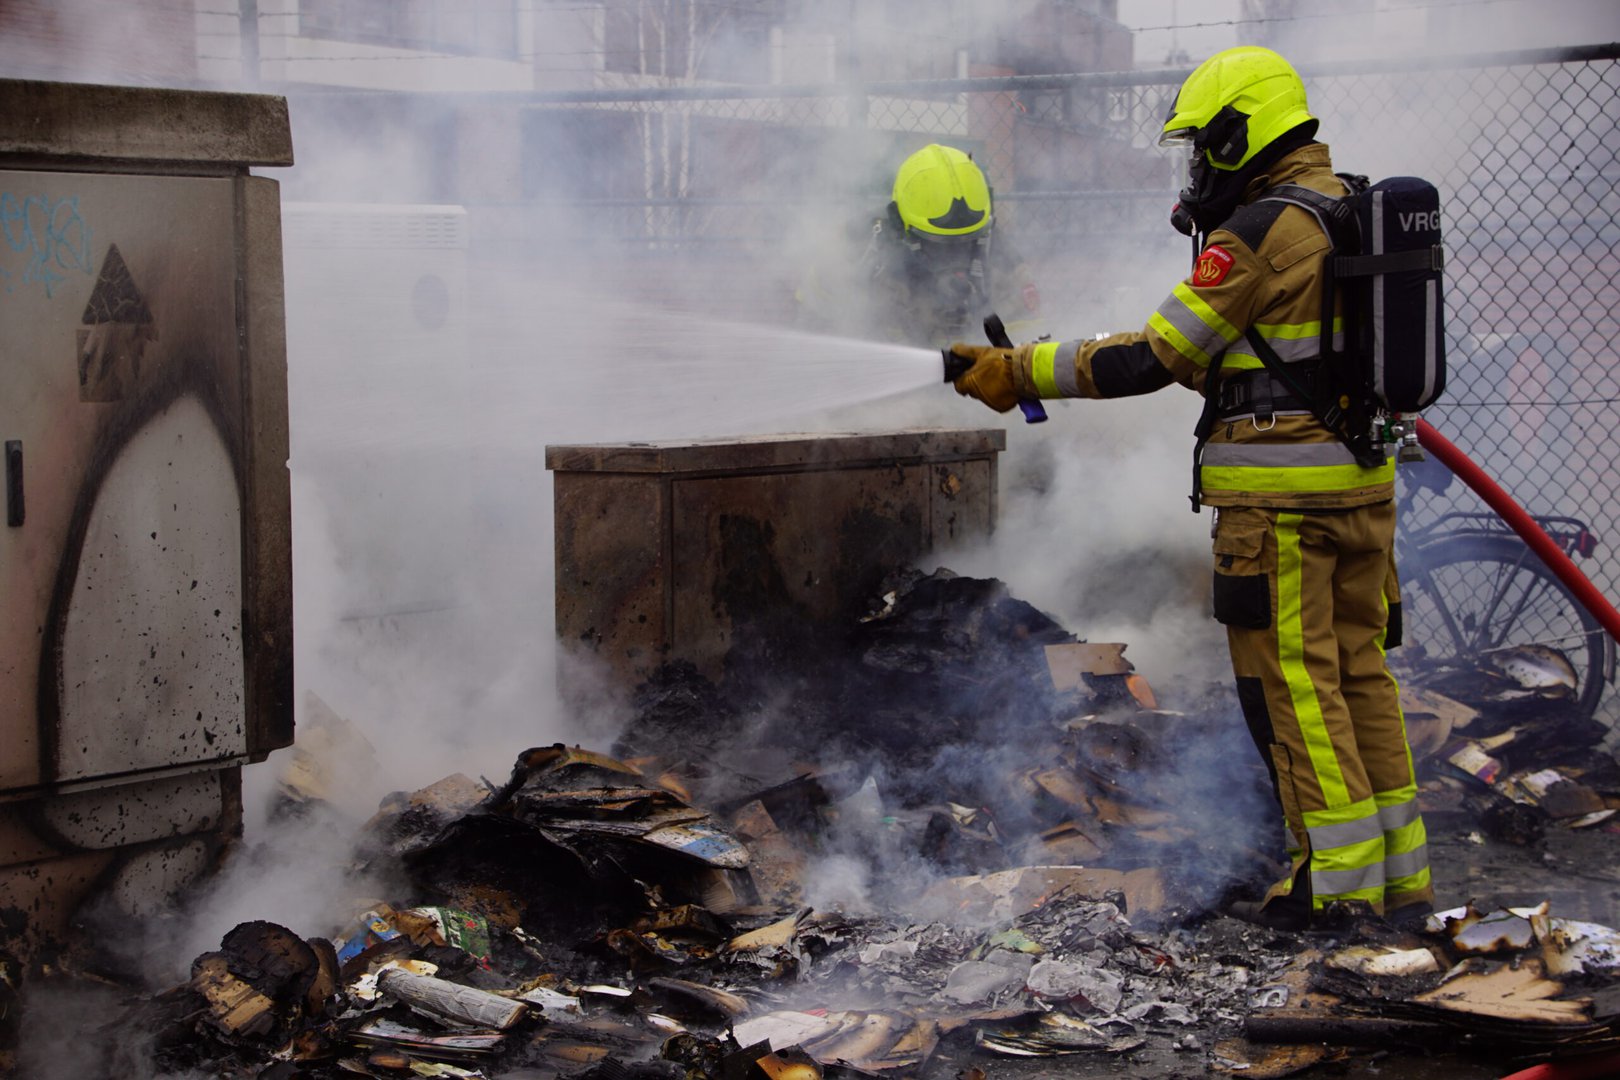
(1303, 536)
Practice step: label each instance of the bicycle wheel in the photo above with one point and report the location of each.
(1465, 597)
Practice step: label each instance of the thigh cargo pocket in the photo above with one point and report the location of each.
(1242, 582)
(1392, 598)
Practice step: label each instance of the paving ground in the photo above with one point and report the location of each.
(1577, 871)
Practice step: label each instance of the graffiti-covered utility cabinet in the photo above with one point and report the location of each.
(145, 558)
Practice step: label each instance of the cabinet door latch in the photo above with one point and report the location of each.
(14, 482)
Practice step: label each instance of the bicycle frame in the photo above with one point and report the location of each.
(1571, 534)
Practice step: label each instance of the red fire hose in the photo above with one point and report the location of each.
(1585, 1068)
(1523, 524)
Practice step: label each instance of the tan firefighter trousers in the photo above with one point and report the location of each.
(1306, 598)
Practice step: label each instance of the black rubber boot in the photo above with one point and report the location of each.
(1413, 918)
(1280, 914)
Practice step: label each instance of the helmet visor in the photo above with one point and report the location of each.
(1181, 148)
(949, 241)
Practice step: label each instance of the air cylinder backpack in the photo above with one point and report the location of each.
(1386, 261)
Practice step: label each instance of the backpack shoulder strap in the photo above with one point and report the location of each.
(1336, 216)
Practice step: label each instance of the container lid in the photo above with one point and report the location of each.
(780, 453)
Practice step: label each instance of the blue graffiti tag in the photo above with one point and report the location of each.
(50, 234)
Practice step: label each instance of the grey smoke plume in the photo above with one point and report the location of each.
(423, 552)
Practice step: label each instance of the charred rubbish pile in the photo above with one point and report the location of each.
(957, 839)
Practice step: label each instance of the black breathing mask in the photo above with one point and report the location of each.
(1212, 194)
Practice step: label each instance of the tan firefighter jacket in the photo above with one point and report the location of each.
(1262, 269)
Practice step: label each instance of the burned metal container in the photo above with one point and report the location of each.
(667, 551)
(145, 637)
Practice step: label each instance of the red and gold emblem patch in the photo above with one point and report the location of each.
(1212, 267)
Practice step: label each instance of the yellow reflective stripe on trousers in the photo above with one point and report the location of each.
(1417, 883)
(1360, 878)
(1348, 852)
(1413, 860)
(1395, 887)
(1291, 656)
(1406, 841)
(1353, 823)
(1042, 369)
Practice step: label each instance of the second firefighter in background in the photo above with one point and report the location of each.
(1303, 534)
(929, 268)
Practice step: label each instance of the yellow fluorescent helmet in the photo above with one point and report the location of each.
(1235, 104)
(940, 192)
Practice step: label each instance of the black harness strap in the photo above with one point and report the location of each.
(1339, 418)
(1205, 427)
(1264, 410)
(1250, 393)
(1391, 262)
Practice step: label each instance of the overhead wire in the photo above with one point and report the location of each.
(1311, 15)
(428, 51)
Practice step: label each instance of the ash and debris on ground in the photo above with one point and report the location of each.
(958, 841)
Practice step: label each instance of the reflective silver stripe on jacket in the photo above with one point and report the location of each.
(1186, 322)
(1276, 455)
(1289, 350)
(1064, 373)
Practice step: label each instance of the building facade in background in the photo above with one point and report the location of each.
(462, 47)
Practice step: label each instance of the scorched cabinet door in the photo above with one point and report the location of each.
(121, 411)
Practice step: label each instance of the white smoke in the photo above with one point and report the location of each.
(422, 508)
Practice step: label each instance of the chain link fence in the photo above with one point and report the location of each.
(738, 188)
